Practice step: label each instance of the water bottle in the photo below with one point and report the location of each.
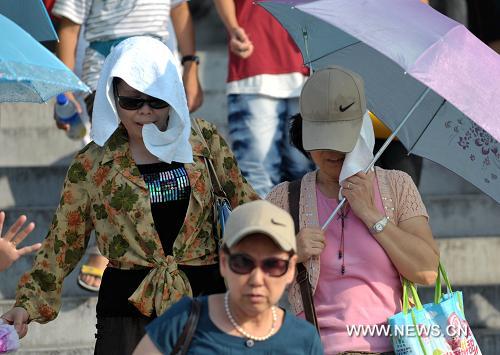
(66, 113)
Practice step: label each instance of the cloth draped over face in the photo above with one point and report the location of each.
(362, 154)
(147, 65)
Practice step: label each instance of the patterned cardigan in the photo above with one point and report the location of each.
(104, 191)
(400, 198)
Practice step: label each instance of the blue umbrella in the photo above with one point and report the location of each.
(28, 71)
(32, 16)
(427, 78)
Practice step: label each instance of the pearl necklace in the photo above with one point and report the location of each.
(241, 330)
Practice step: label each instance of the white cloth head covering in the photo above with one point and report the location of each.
(147, 65)
(362, 154)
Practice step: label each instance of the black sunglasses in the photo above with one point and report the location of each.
(135, 103)
(243, 264)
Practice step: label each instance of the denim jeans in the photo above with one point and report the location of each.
(259, 135)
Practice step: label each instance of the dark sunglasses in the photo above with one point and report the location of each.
(243, 264)
(135, 103)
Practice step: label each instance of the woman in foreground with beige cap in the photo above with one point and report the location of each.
(257, 261)
(355, 266)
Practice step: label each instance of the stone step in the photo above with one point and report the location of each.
(83, 349)
(31, 186)
(72, 332)
(462, 214)
(488, 340)
(45, 145)
(471, 260)
(437, 180)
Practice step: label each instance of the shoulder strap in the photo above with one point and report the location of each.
(216, 186)
(302, 276)
(182, 345)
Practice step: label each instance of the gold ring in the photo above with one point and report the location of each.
(348, 185)
(13, 242)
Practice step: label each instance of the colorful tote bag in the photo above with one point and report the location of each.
(437, 328)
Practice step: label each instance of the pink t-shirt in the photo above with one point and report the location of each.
(368, 293)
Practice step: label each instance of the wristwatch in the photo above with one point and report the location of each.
(190, 58)
(379, 226)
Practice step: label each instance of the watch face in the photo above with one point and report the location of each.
(378, 227)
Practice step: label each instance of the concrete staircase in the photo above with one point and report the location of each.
(466, 224)
(33, 162)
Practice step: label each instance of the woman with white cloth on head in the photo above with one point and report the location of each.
(381, 235)
(143, 186)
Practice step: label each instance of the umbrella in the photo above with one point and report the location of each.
(28, 71)
(427, 77)
(32, 16)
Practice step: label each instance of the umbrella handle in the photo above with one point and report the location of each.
(379, 153)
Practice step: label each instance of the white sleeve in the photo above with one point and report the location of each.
(75, 10)
(174, 3)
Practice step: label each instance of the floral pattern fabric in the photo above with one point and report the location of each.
(104, 191)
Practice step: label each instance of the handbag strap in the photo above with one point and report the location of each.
(182, 345)
(302, 276)
(217, 187)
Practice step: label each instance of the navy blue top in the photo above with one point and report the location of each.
(296, 336)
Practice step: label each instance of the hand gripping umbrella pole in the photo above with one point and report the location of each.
(379, 153)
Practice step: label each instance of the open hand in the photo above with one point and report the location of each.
(310, 242)
(8, 251)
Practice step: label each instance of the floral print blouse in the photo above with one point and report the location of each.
(104, 191)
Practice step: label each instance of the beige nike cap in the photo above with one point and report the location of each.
(332, 105)
(260, 217)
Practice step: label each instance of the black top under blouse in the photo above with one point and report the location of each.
(169, 192)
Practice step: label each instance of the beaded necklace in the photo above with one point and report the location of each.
(244, 332)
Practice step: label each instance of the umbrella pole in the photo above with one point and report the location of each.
(379, 153)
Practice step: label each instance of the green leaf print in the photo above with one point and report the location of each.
(228, 163)
(107, 188)
(100, 212)
(229, 188)
(135, 171)
(58, 245)
(125, 162)
(124, 198)
(116, 140)
(46, 281)
(118, 247)
(72, 257)
(207, 134)
(77, 173)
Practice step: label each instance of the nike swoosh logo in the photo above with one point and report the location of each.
(342, 109)
(277, 223)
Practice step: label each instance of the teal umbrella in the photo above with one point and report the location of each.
(28, 71)
(31, 16)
